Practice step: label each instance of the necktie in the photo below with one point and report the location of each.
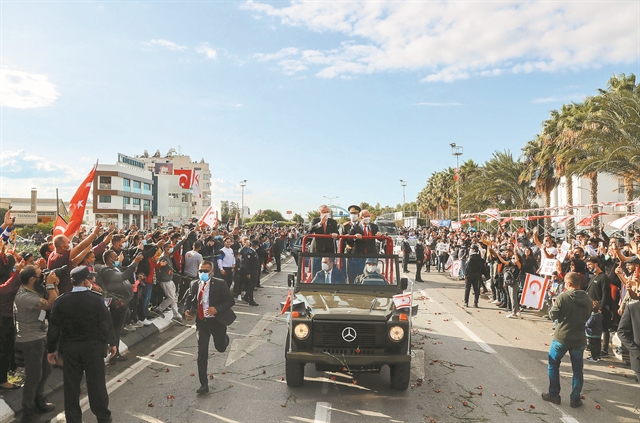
(200, 305)
(324, 227)
(366, 230)
(326, 277)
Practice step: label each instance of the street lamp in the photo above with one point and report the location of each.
(456, 150)
(242, 184)
(330, 199)
(404, 198)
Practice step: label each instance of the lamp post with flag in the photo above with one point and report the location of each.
(456, 150)
(404, 198)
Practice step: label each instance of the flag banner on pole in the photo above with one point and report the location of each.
(624, 222)
(402, 300)
(534, 290)
(455, 226)
(210, 217)
(456, 265)
(78, 203)
(195, 184)
(587, 220)
(60, 226)
(562, 219)
(186, 177)
(235, 222)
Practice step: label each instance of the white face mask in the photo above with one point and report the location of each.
(354, 217)
(366, 219)
(323, 215)
(371, 268)
(325, 267)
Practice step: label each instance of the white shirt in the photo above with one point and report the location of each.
(229, 259)
(327, 276)
(205, 297)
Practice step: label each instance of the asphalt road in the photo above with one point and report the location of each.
(469, 365)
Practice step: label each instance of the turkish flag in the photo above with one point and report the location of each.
(60, 227)
(210, 217)
(186, 177)
(535, 288)
(587, 220)
(78, 203)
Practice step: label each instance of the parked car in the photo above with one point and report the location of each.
(397, 248)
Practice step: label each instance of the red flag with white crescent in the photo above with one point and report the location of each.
(235, 222)
(186, 177)
(535, 288)
(60, 226)
(78, 203)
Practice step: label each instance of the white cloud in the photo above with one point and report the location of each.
(455, 40)
(23, 90)
(165, 44)
(559, 99)
(446, 104)
(206, 51)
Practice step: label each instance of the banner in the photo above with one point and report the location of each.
(548, 266)
(60, 226)
(587, 220)
(456, 266)
(78, 203)
(624, 222)
(195, 184)
(564, 250)
(441, 246)
(235, 222)
(402, 300)
(210, 217)
(534, 291)
(186, 177)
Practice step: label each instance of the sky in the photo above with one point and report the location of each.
(310, 101)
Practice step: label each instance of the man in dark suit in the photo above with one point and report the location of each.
(329, 273)
(419, 259)
(473, 277)
(276, 250)
(360, 245)
(321, 226)
(80, 329)
(629, 334)
(210, 300)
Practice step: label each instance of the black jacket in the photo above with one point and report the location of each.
(324, 245)
(364, 246)
(475, 266)
(220, 297)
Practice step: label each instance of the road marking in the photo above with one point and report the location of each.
(241, 347)
(323, 412)
(566, 418)
(475, 337)
(224, 419)
(146, 418)
(247, 313)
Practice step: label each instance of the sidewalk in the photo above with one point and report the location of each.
(10, 401)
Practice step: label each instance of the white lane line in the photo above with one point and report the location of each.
(224, 419)
(247, 313)
(146, 418)
(475, 337)
(566, 418)
(323, 412)
(129, 373)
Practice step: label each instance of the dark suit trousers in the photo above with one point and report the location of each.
(405, 263)
(418, 270)
(475, 282)
(278, 258)
(228, 276)
(118, 317)
(88, 358)
(204, 331)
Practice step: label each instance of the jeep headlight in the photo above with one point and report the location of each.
(301, 331)
(396, 333)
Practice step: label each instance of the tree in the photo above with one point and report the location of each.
(297, 218)
(538, 170)
(268, 216)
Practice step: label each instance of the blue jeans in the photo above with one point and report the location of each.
(556, 352)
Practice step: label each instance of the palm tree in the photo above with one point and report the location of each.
(539, 170)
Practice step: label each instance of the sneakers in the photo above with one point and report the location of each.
(604, 353)
(575, 403)
(137, 324)
(512, 316)
(146, 322)
(592, 360)
(239, 297)
(177, 319)
(555, 400)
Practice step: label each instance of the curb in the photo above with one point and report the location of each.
(11, 402)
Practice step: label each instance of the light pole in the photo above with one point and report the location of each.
(242, 184)
(404, 198)
(330, 199)
(456, 150)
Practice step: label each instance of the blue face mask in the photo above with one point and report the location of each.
(204, 277)
(116, 263)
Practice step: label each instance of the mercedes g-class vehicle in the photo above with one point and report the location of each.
(342, 314)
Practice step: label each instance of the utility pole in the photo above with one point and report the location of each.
(456, 150)
(242, 184)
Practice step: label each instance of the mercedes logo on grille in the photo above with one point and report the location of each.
(349, 334)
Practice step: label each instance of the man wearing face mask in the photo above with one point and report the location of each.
(321, 226)
(329, 273)
(370, 275)
(360, 245)
(345, 229)
(210, 300)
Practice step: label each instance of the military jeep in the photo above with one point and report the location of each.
(342, 315)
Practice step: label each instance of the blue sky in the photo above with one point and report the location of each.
(302, 99)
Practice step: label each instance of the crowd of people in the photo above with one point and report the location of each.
(136, 276)
(140, 275)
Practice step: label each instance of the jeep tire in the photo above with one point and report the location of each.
(293, 370)
(400, 376)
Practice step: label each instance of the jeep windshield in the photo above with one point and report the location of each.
(341, 270)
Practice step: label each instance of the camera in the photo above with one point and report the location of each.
(60, 271)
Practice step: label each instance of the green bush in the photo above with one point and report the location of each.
(281, 223)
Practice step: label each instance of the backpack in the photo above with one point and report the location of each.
(508, 277)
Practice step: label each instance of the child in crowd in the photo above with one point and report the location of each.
(593, 329)
(555, 288)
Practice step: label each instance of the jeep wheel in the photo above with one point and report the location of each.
(400, 375)
(293, 370)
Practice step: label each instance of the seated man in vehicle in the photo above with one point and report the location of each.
(370, 275)
(329, 273)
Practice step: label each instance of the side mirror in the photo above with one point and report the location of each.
(404, 283)
(291, 277)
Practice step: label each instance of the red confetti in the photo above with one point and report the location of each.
(480, 393)
(283, 405)
(355, 382)
(166, 370)
(153, 355)
(119, 380)
(171, 397)
(210, 376)
(224, 373)
(612, 366)
(150, 405)
(532, 407)
(479, 387)
(520, 409)
(333, 378)
(264, 372)
(582, 397)
(432, 421)
(465, 348)
(450, 407)
(598, 406)
(465, 403)
(438, 391)
(192, 374)
(495, 395)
